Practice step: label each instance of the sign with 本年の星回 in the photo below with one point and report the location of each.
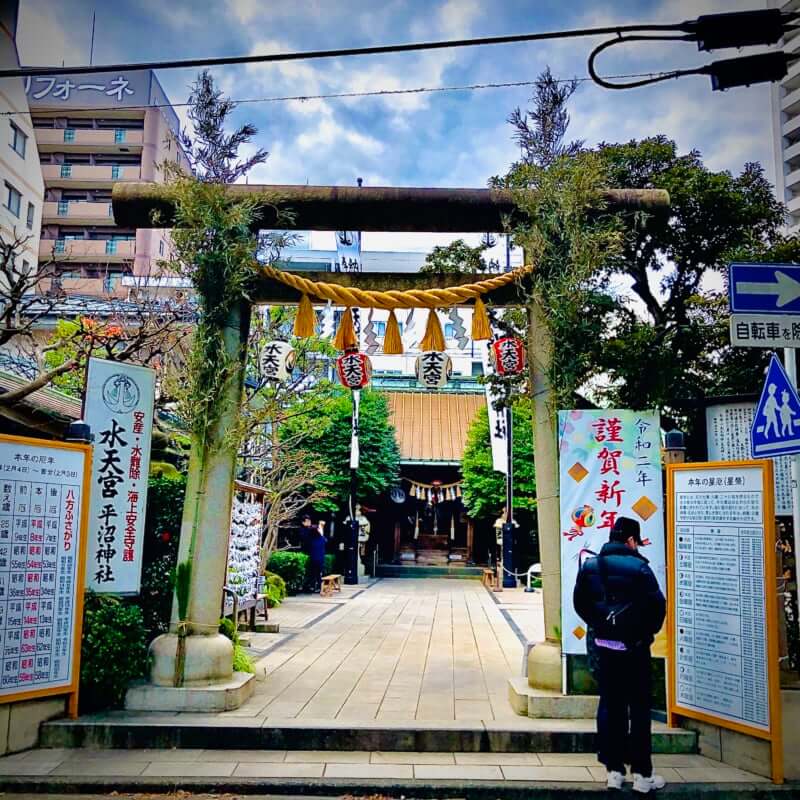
(609, 466)
(722, 597)
(119, 410)
(42, 558)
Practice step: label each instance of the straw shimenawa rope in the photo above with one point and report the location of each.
(412, 298)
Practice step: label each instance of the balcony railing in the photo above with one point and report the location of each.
(54, 139)
(100, 213)
(89, 174)
(90, 250)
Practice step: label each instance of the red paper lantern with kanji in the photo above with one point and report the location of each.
(354, 369)
(508, 356)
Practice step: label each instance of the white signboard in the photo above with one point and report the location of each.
(765, 330)
(720, 645)
(41, 547)
(119, 409)
(497, 419)
(610, 466)
(728, 439)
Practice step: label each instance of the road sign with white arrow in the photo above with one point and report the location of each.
(764, 288)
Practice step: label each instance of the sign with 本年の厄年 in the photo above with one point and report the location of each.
(609, 467)
(119, 410)
(42, 557)
(723, 626)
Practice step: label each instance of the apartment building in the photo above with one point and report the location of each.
(93, 131)
(786, 127)
(20, 177)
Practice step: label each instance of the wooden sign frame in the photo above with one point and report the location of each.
(70, 689)
(774, 735)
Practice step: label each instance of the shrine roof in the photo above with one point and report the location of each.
(432, 426)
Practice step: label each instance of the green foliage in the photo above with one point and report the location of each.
(484, 489)
(275, 589)
(329, 564)
(227, 628)
(183, 577)
(155, 596)
(241, 660)
(457, 257)
(113, 651)
(327, 434)
(291, 567)
(63, 348)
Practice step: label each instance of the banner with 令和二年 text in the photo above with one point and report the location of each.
(609, 467)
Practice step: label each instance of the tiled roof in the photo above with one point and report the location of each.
(49, 401)
(432, 426)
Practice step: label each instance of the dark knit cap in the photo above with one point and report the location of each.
(624, 528)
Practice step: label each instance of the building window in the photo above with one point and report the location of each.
(60, 246)
(63, 208)
(13, 199)
(119, 135)
(69, 134)
(29, 220)
(161, 247)
(111, 247)
(66, 170)
(380, 329)
(26, 267)
(115, 173)
(449, 331)
(18, 140)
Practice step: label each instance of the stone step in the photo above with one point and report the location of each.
(137, 730)
(452, 570)
(545, 704)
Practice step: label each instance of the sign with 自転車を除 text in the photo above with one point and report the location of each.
(119, 410)
(764, 289)
(43, 500)
(609, 467)
(723, 658)
(775, 425)
(764, 330)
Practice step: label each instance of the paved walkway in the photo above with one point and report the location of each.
(422, 649)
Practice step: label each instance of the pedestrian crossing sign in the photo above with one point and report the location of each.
(776, 424)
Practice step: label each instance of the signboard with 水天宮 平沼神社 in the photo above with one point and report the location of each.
(119, 410)
(609, 467)
(722, 600)
(43, 511)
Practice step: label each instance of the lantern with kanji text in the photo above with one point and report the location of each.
(354, 369)
(508, 356)
(277, 361)
(434, 369)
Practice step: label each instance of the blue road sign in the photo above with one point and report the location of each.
(764, 288)
(776, 425)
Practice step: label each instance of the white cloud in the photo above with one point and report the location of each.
(327, 133)
(44, 39)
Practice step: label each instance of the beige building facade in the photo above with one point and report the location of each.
(93, 131)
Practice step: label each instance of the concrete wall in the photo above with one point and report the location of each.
(747, 752)
(19, 722)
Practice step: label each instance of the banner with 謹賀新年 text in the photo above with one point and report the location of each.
(119, 410)
(609, 467)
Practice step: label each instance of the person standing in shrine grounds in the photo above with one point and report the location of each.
(315, 548)
(618, 597)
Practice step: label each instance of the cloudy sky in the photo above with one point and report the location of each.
(436, 139)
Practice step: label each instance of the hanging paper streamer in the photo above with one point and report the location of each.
(458, 328)
(370, 339)
(416, 526)
(453, 527)
(451, 491)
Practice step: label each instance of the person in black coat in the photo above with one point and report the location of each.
(618, 597)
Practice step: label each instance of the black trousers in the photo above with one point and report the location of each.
(623, 716)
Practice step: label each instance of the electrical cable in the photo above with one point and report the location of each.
(349, 95)
(664, 76)
(308, 55)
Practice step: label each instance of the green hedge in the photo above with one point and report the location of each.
(113, 651)
(330, 564)
(275, 589)
(291, 567)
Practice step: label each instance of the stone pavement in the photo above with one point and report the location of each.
(496, 768)
(423, 649)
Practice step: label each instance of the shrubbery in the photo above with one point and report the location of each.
(113, 650)
(291, 567)
(330, 564)
(275, 589)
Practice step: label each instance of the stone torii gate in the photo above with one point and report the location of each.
(334, 208)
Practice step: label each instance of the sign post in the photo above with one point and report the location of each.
(44, 488)
(722, 602)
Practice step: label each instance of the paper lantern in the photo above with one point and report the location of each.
(277, 361)
(508, 356)
(434, 369)
(354, 370)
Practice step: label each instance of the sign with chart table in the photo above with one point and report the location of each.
(43, 517)
(722, 596)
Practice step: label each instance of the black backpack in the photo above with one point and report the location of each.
(618, 616)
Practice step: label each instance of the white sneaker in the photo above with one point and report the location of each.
(615, 779)
(644, 785)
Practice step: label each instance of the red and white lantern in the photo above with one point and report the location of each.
(508, 356)
(354, 370)
(434, 369)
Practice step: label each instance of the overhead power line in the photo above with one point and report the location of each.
(346, 95)
(309, 55)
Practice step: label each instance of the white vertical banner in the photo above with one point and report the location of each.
(609, 467)
(348, 251)
(354, 449)
(119, 410)
(497, 419)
